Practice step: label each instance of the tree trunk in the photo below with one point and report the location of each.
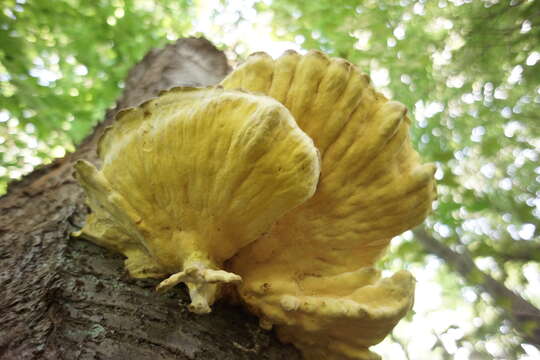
(65, 298)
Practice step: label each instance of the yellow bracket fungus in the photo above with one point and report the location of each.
(191, 177)
(312, 275)
(288, 181)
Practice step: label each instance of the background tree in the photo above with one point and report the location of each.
(469, 72)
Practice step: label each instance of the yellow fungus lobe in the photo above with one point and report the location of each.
(191, 177)
(312, 276)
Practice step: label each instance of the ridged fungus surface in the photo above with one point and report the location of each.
(288, 181)
(191, 177)
(312, 275)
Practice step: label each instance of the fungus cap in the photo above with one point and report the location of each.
(312, 275)
(191, 177)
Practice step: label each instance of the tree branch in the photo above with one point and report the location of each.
(524, 316)
(401, 344)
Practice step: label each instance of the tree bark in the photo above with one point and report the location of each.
(524, 316)
(65, 298)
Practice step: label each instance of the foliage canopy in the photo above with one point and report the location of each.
(61, 66)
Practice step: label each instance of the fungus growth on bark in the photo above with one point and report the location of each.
(222, 185)
(191, 177)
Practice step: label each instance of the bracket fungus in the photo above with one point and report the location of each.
(288, 180)
(313, 274)
(191, 177)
